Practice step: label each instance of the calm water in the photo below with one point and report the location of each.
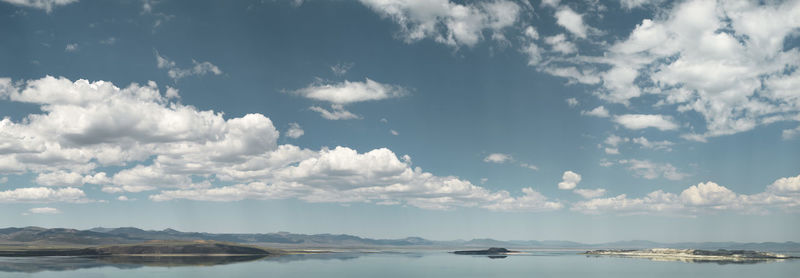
(387, 265)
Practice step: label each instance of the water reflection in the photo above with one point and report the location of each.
(37, 264)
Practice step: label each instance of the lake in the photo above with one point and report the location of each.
(388, 265)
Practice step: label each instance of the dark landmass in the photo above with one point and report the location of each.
(36, 236)
(152, 248)
(490, 251)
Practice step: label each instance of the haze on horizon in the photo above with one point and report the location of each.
(508, 119)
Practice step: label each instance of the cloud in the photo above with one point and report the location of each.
(446, 22)
(529, 166)
(44, 210)
(641, 121)
(498, 158)
(651, 170)
(176, 151)
(337, 112)
(343, 93)
(723, 62)
(632, 4)
(559, 43)
(590, 193)
(295, 131)
(73, 179)
(786, 185)
(656, 145)
(697, 199)
(789, 134)
(394, 132)
(122, 198)
(109, 41)
(351, 92)
(71, 47)
(614, 140)
(599, 112)
(569, 180)
(174, 72)
(530, 201)
(46, 5)
(43, 195)
(572, 102)
(572, 21)
(341, 68)
(378, 176)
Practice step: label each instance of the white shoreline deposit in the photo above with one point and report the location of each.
(693, 254)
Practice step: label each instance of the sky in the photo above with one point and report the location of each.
(590, 121)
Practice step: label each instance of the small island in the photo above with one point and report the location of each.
(490, 251)
(693, 255)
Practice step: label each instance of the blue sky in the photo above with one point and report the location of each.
(669, 121)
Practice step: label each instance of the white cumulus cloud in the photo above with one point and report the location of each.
(569, 180)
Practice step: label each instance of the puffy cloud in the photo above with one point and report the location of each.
(175, 72)
(724, 64)
(571, 21)
(700, 198)
(43, 195)
(44, 210)
(790, 184)
(788, 134)
(708, 193)
(447, 22)
(85, 125)
(46, 5)
(63, 178)
(651, 170)
(377, 176)
(498, 158)
(340, 94)
(185, 153)
(590, 193)
(569, 180)
(295, 131)
(599, 111)
(350, 92)
(71, 47)
(642, 121)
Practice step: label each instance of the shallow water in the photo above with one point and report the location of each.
(393, 264)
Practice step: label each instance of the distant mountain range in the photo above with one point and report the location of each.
(101, 236)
